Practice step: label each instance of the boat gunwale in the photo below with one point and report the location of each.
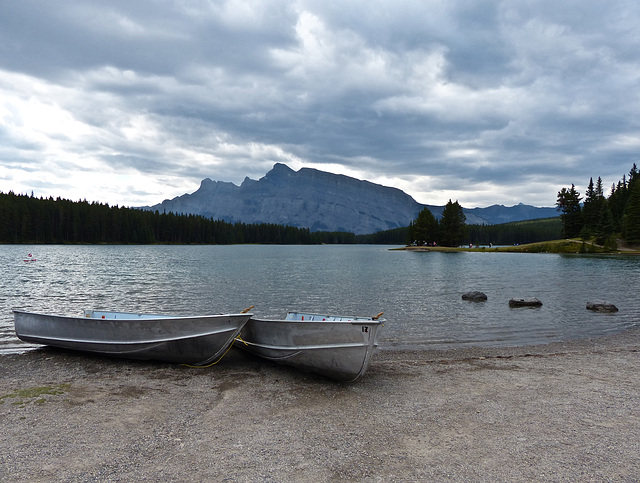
(349, 318)
(152, 317)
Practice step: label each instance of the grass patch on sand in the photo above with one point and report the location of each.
(555, 246)
(22, 397)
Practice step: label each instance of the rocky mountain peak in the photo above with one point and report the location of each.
(320, 201)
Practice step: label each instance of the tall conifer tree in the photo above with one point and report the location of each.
(452, 225)
(424, 229)
(631, 218)
(569, 203)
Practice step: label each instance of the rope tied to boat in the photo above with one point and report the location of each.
(213, 363)
(238, 338)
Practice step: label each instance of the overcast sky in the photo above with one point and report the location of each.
(485, 102)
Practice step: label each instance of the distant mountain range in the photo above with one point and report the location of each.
(323, 201)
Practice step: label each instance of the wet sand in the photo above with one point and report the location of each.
(562, 412)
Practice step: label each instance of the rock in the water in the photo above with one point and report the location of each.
(601, 306)
(474, 296)
(525, 302)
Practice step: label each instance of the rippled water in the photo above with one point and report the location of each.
(420, 293)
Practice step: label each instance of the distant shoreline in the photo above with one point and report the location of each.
(555, 246)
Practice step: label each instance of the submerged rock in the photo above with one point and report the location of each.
(525, 302)
(474, 296)
(601, 306)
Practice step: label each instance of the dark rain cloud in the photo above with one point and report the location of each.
(485, 102)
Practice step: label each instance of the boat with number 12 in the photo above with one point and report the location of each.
(338, 347)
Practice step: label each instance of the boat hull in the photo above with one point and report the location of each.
(337, 347)
(195, 340)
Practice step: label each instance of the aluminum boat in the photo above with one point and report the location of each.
(338, 347)
(196, 340)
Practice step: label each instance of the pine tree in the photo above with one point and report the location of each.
(631, 218)
(452, 229)
(569, 203)
(616, 203)
(589, 211)
(604, 228)
(633, 174)
(599, 189)
(424, 229)
(592, 211)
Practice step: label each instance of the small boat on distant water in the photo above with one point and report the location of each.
(196, 340)
(30, 258)
(338, 347)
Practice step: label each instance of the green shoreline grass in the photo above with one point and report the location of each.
(552, 246)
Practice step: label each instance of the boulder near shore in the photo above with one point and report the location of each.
(601, 306)
(525, 302)
(474, 296)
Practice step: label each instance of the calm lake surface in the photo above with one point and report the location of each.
(419, 292)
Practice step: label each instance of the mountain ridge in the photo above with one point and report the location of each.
(322, 201)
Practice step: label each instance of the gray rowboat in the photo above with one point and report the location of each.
(196, 340)
(338, 347)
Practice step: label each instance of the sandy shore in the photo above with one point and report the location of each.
(564, 412)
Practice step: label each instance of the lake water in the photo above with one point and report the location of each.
(420, 293)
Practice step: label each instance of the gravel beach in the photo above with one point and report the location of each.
(562, 412)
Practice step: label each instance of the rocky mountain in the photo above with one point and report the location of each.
(322, 201)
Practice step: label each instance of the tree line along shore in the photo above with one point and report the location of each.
(599, 223)
(29, 219)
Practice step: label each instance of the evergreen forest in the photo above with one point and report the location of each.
(27, 219)
(449, 231)
(601, 218)
(516, 232)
